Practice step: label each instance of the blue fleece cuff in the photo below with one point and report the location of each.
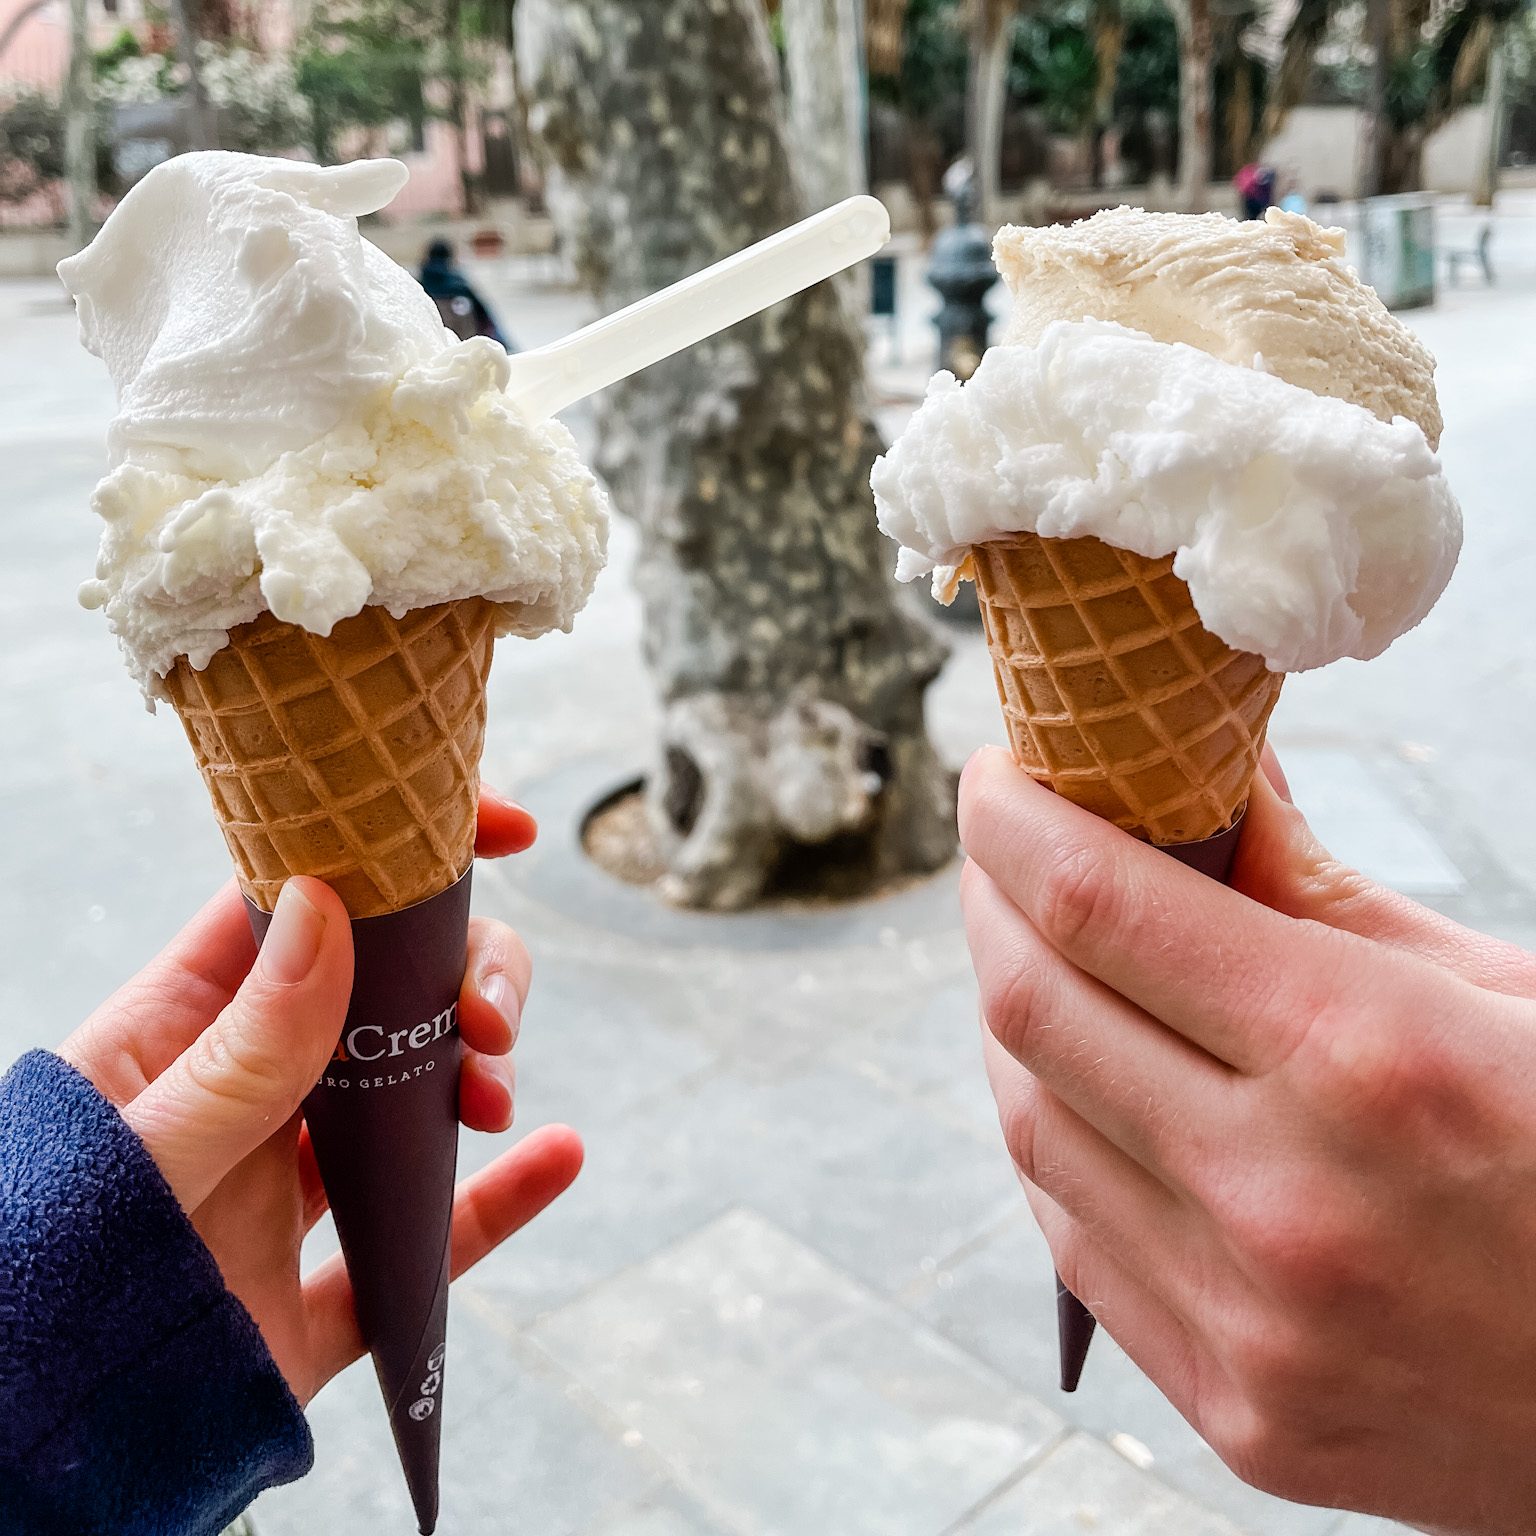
(137, 1397)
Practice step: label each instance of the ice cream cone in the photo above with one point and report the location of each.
(355, 758)
(1113, 692)
(1117, 697)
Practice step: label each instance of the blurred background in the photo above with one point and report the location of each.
(796, 1289)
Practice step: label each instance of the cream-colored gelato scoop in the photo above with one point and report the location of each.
(1274, 293)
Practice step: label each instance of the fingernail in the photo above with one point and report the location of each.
(498, 992)
(292, 944)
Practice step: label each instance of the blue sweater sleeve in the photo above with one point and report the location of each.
(137, 1397)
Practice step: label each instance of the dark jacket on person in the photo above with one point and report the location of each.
(444, 284)
(137, 1397)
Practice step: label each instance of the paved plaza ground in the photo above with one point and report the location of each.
(795, 1290)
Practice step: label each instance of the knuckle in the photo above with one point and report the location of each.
(230, 1061)
(1377, 1080)
(1018, 1118)
(1015, 1004)
(1077, 896)
(1262, 1450)
(1331, 892)
(497, 947)
(1027, 1138)
(1295, 1242)
(1274, 1363)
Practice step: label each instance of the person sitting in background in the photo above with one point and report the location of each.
(157, 1338)
(464, 312)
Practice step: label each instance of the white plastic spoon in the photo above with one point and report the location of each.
(544, 382)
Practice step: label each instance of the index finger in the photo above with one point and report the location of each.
(503, 827)
(1240, 981)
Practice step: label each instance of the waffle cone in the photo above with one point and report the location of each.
(1115, 694)
(353, 757)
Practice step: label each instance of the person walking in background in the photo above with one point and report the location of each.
(1255, 185)
(464, 312)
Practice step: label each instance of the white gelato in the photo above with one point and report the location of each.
(1306, 528)
(297, 432)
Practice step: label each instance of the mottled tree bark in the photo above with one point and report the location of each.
(202, 124)
(987, 98)
(791, 674)
(1196, 51)
(823, 50)
(1376, 142)
(1494, 108)
(451, 25)
(79, 128)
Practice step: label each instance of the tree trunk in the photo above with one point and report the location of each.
(925, 173)
(1240, 112)
(1402, 163)
(1108, 26)
(1493, 152)
(458, 104)
(791, 674)
(200, 119)
(79, 129)
(823, 50)
(1195, 49)
(1376, 148)
(987, 98)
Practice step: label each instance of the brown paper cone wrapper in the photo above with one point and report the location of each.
(355, 759)
(1118, 698)
(384, 1121)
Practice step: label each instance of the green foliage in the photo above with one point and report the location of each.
(259, 103)
(108, 61)
(490, 20)
(934, 64)
(1438, 63)
(256, 94)
(368, 63)
(1053, 67)
(1410, 87)
(362, 66)
(1147, 82)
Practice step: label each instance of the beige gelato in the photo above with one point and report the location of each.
(1275, 294)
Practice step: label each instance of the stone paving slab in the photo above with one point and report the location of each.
(520, 1453)
(662, 1514)
(788, 1397)
(1360, 819)
(1083, 1488)
(997, 1299)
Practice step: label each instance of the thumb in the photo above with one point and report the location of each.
(248, 1072)
(1281, 864)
